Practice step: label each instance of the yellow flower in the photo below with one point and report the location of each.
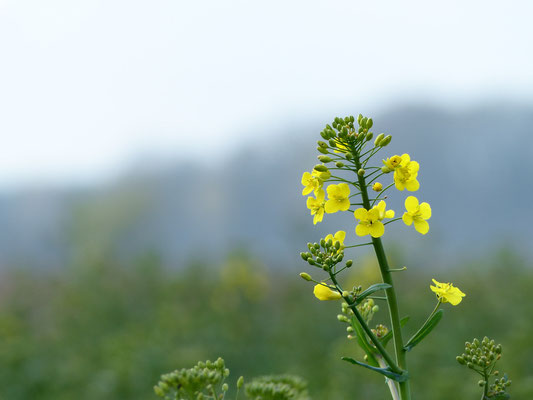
(405, 174)
(317, 206)
(392, 162)
(377, 187)
(339, 237)
(313, 181)
(369, 222)
(446, 292)
(417, 214)
(382, 212)
(323, 292)
(338, 198)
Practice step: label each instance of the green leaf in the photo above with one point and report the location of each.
(383, 371)
(424, 331)
(372, 289)
(385, 339)
(363, 342)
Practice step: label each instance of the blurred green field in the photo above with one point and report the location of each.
(101, 330)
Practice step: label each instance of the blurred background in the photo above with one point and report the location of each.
(150, 201)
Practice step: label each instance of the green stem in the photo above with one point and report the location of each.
(405, 392)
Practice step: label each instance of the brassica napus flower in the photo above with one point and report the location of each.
(369, 222)
(314, 181)
(338, 237)
(392, 162)
(323, 292)
(447, 293)
(417, 213)
(382, 212)
(405, 174)
(338, 198)
(317, 206)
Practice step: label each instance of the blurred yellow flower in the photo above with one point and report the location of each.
(382, 212)
(369, 223)
(447, 293)
(323, 292)
(405, 174)
(317, 206)
(338, 198)
(313, 181)
(417, 214)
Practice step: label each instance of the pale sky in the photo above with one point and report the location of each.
(87, 86)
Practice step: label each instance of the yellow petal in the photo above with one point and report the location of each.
(377, 229)
(425, 210)
(311, 201)
(332, 206)
(306, 177)
(344, 190)
(413, 167)
(340, 236)
(421, 226)
(405, 159)
(381, 206)
(319, 216)
(332, 190)
(407, 219)
(398, 183)
(330, 236)
(344, 205)
(323, 292)
(306, 190)
(412, 185)
(411, 204)
(362, 229)
(361, 213)
(389, 214)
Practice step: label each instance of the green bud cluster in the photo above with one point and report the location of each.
(380, 330)
(482, 356)
(198, 382)
(325, 255)
(367, 309)
(281, 387)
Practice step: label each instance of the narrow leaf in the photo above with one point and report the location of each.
(383, 371)
(424, 331)
(372, 289)
(385, 339)
(363, 342)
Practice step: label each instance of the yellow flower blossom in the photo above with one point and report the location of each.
(392, 162)
(313, 181)
(317, 206)
(338, 198)
(405, 174)
(382, 212)
(447, 293)
(377, 187)
(369, 223)
(323, 292)
(339, 237)
(417, 214)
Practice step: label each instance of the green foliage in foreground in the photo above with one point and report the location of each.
(104, 331)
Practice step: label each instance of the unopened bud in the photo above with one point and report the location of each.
(339, 164)
(325, 159)
(305, 276)
(361, 172)
(345, 294)
(322, 150)
(378, 139)
(385, 141)
(320, 168)
(482, 383)
(240, 382)
(225, 387)
(369, 123)
(385, 169)
(349, 263)
(369, 136)
(460, 360)
(304, 256)
(349, 156)
(377, 187)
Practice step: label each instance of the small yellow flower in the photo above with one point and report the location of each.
(382, 212)
(417, 214)
(313, 181)
(369, 223)
(323, 292)
(317, 206)
(405, 174)
(392, 162)
(377, 187)
(339, 237)
(338, 198)
(447, 293)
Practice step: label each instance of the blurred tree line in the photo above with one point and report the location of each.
(103, 330)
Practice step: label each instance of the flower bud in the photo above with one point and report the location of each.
(305, 276)
(369, 123)
(320, 168)
(322, 144)
(377, 187)
(240, 382)
(361, 172)
(482, 383)
(311, 261)
(325, 159)
(349, 156)
(225, 387)
(385, 141)
(349, 263)
(369, 136)
(460, 360)
(304, 256)
(339, 164)
(385, 169)
(378, 139)
(322, 150)
(324, 135)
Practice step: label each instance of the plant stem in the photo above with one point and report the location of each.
(405, 392)
(392, 385)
